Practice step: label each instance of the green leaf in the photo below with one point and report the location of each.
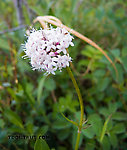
(67, 103)
(2, 123)
(61, 124)
(40, 144)
(4, 44)
(50, 84)
(12, 93)
(42, 130)
(116, 53)
(104, 128)
(124, 51)
(62, 105)
(3, 136)
(87, 53)
(91, 52)
(96, 122)
(99, 73)
(64, 134)
(104, 111)
(103, 84)
(28, 90)
(40, 88)
(83, 62)
(37, 10)
(29, 127)
(106, 143)
(113, 140)
(105, 61)
(14, 129)
(119, 128)
(120, 73)
(88, 132)
(96, 126)
(90, 145)
(23, 66)
(120, 116)
(13, 118)
(112, 107)
(100, 12)
(124, 62)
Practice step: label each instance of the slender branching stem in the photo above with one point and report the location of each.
(81, 106)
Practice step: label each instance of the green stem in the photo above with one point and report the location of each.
(77, 141)
(71, 121)
(81, 106)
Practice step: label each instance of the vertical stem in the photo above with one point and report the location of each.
(18, 6)
(81, 106)
(77, 141)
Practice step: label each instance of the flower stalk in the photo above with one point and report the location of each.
(81, 106)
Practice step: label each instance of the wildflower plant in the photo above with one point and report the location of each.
(47, 50)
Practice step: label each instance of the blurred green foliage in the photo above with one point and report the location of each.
(30, 103)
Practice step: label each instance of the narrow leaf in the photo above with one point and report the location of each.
(40, 89)
(104, 128)
(13, 118)
(71, 121)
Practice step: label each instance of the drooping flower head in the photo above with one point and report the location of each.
(46, 49)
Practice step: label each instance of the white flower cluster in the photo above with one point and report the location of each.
(46, 49)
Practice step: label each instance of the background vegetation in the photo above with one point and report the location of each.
(30, 103)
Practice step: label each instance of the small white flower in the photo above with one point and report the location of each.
(46, 49)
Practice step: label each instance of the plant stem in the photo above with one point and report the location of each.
(81, 106)
(77, 141)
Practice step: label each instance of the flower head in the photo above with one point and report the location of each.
(46, 49)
